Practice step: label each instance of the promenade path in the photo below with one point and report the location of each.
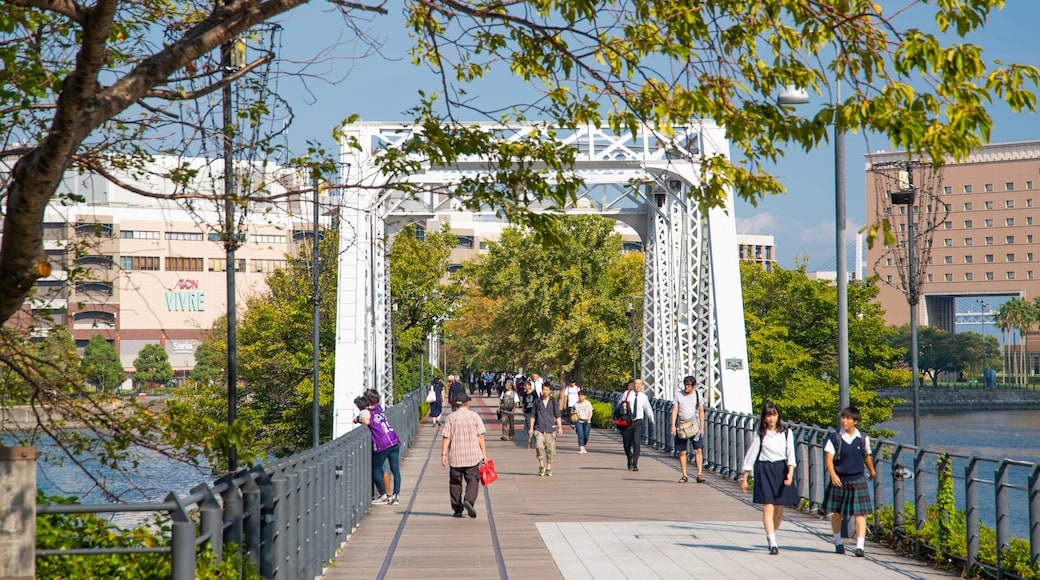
(593, 519)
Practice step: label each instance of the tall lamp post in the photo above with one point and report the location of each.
(906, 198)
(796, 96)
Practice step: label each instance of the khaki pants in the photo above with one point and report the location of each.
(545, 447)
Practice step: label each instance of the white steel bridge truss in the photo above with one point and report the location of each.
(693, 316)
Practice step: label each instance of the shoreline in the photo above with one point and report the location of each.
(942, 399)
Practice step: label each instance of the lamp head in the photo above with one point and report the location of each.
(903, 197)
(792, 95)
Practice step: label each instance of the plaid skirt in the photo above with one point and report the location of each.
(851, 499)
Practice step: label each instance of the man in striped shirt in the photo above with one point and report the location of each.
(462, 451)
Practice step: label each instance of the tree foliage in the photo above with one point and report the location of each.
(792, 335)
(554, 307)
(152, 366)
(102, 366)
(421, 298)
(941, 352)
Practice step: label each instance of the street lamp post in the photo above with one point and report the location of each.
(906, 197)
(795, 96)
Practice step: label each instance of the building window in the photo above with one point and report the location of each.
(452, 268)
(947, 259)
(103, 288)
(967, 259)
(947, 190)
(1010, 204)
(138, 235)
(1009, 186)
(1029, 256)
(179, 264)
(1009, 221)
(989, 223)
(1029, 203)
(184, 236)
(1029, 274)
(1029, 220)
(989, 275)
(988, 187)
(901, 261)
(1029, 238)
(989, 205)
(948, 206)
(420, 232)
(929, 278)
(268, 239)
(889, 278)
(1010, 275)
(948, 225)
(967, 224)
(989, 240)
(948, 242)
(483, 245)
(948, 277)
(267, 266)
(103, 262)
(1009, 239)
(1009, 257)
(465, 242)
(888, 261)
(967, 206)
(968, 241)
(139, 262)
(94, 229)
(968, 276)
(989, 257)
(1029, 185)
(220, 265)
(967, 189)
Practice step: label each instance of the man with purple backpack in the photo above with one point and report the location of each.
(385, 447)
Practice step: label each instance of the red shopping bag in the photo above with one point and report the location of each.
(487, 472)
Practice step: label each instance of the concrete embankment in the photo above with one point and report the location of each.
(24, 417)
(958, 399)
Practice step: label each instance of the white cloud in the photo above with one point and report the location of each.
(763, 223)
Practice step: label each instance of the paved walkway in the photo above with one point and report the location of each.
(591, 519)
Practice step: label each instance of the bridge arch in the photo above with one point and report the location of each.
(693, 316)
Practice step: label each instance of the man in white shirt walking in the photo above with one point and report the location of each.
(633, 434)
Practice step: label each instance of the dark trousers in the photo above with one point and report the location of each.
(630, 437)
(455, 477)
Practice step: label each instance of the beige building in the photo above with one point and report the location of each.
(985, 225)
(155, 271)
(760, 249)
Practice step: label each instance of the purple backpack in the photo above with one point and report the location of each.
(383, 435)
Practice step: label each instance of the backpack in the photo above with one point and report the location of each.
(508, 401)
(623, 414)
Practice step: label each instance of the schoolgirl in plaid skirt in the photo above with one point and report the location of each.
(848, 461)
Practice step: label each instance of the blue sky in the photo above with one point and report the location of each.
(382, 87)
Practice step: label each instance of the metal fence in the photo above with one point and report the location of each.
(288, 517)
(1001, 494)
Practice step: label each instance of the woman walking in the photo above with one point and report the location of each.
(771, 457)
(584, 425)
(437, 406)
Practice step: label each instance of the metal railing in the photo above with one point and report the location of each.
(288, 517)
(1002, 494)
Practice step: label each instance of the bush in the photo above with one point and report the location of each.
(602, 415)
(56, 531)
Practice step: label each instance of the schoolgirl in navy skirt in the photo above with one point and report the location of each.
(849, 465)
(771, 457)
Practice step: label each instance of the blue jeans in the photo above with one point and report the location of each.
(379, 466)
(583, 428)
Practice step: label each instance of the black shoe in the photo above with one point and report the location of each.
(859, 552)
(469, 508)
(456, 515)
(839, 548)
(773, 550)
(634, 468)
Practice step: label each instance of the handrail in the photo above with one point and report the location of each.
(289, 517)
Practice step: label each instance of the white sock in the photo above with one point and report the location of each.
(859, 542)
(771, 539)
(837, 540)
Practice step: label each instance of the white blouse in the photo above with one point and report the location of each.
(774, 447)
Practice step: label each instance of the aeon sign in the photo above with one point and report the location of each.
(185, 296)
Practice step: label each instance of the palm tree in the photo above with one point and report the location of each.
(1003, 321)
